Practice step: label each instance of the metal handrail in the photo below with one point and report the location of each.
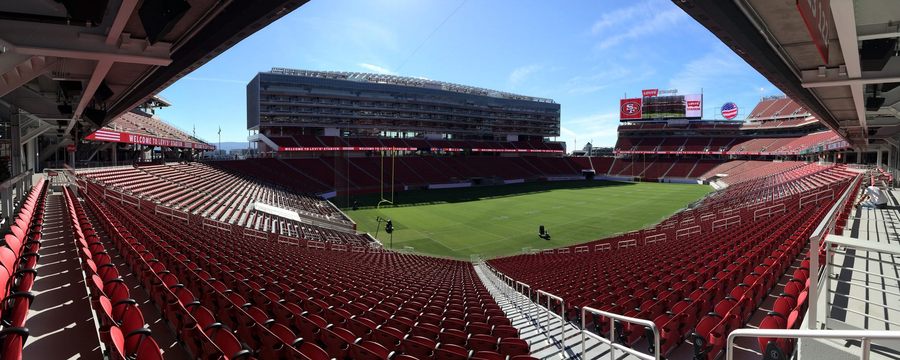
(825, 227)
(562, 316)
(612, 334)
(520, 287)
(865, 336)
(830, 267)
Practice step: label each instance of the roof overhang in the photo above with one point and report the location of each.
(813, 54)
(88, 61)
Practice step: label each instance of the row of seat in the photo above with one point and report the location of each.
(122, 325)
(726, 269)
(788, 309)
(229, 198)
(194, 323)
(712, 330)
(19, 257)
(337, 302)
(742, 203)
(195, 186)
(726, 143)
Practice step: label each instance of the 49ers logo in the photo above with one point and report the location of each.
(630, 109)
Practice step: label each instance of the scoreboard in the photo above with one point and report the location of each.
(657, 104)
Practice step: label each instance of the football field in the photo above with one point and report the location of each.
(501, 220)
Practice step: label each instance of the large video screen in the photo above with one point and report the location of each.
(672, 107)
(662, 107)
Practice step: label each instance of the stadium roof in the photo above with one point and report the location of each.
(844, 68)
(407, 81)
(65, 60)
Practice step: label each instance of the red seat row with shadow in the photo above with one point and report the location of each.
(122, 325)
(237, 297)
(703, 279)
(19, 257)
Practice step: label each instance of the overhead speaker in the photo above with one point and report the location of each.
(85, 10)
(874, 103)
(95, 116)
(875, 53)
(160, 16)
(103, 92)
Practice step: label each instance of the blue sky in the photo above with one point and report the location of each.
(585, 55)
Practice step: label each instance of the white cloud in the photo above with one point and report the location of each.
(712, 68)
(521, 73)
(376, 69)
(609, 75)
(620, 16)
(643, 26)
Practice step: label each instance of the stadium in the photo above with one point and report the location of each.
(382, 216)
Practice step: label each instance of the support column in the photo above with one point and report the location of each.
(70, 155)
(890, 152)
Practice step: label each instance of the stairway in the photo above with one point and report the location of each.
(534, 322)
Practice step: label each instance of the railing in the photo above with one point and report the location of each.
(562, 316)
(865, 337)
(613, 345)
(524, 289)
(825, 227)
(520, 287)
(868, 246)
(12, 192)
(817, 196)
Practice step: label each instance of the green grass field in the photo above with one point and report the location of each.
(501, 220)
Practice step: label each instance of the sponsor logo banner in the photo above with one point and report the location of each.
(649, 92)
(128, 138)
(380, 148)
(693, 106)
(630, 109)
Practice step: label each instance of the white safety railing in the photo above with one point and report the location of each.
(825, 227)
(613, 345)
(549, 313)
(841, 245)
(521, 288)
(865, 337)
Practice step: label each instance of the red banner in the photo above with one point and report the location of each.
(346, 148)
(815, 14)
(649, 92)
(128, 138)
(630, 109)
(649, 152)
(386, 148)
(518, 150)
